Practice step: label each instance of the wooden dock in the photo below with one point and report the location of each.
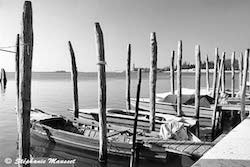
(231, 151)
(188, 148)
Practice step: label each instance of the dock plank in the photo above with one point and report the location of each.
(201, 150)
(191, 148)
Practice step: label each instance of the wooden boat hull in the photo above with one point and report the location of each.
(126, 118)
(119, 145)
(169, 108)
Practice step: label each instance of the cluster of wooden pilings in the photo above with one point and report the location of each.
(23, 78)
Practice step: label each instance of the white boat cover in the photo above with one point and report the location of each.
(185, 91)
(174, 130)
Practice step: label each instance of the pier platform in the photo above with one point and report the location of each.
(232, 151)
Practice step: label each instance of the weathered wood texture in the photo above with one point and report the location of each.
(172, 73)
(197, 84)
(134, 159)
(216, 60)
(223, 81)
(152, 79)
(101, 94)
(179, 81)
(25, 83)
(189, 148)
(232, 71)
(128, 78)
(217, 95)
(244, 83)
(74, 80)
(240, 70)
(17, 77)
(207, 74)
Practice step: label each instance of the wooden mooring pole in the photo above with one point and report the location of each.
(17, 77)
(197, 86)
(101, 94)
(128, 78)
(244, 83)
(152, 80)
(3, 78)
(240, 70)
(232, 71)
(207, 74)
(179, 82)
(25, 84)
(134, 159)
(74, 80)
(214, 117)
(172, 73)
(223, 81)
(216, 60)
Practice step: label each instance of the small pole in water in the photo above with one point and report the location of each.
(101, 94)
(207, 74)
(3, 78)
(179, 82)
(17, 76)
(240, 70)
(74, 79)
(244, 83)
(152, 79)
(172, 72)
(232, 70)
(197, 85)
(128, 77)
(216, 60)
(217, 95)
(133, 159)
(223, 81)
(25, 84)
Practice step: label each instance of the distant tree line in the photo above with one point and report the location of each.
(186, 65)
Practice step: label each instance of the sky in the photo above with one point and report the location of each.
(209, 23)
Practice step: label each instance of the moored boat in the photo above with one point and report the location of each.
(126, 118)
(171, 108)
(85, 135)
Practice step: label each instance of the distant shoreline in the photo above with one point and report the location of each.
(184, 71)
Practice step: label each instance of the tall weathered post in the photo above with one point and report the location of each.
(214, 117)
(152, 79)
(179, 82)
(25, 84)
(197, 85)
(240, 70)
(207, 74)
(74, 80)
(232, 70)
(101, 94)
(134, 159)
(172, 73)
(216, 60)
(17, 77)
(244, 83)
(128, 78)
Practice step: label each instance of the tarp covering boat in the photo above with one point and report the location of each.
(205, 100)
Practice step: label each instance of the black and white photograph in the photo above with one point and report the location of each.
(124, 83)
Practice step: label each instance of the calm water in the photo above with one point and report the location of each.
(52, 92)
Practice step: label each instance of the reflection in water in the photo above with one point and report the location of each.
(3, 88)
(45, 149)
